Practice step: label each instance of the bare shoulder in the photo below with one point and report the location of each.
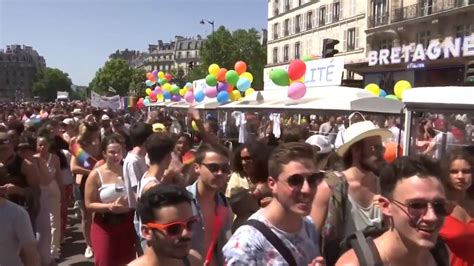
(348, 259)
(138, 262)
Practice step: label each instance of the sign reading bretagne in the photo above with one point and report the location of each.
(416, 53)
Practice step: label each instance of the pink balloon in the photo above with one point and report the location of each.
(158, 90)
(296, 90)
(189, 97)
(210, 92)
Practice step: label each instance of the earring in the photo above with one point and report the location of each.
(392, 226)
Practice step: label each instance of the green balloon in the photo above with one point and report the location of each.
(280, 77)
(175, 89)
(307, 58)
(163, 81)
(211, 80)
(391, 96)
(232, 77)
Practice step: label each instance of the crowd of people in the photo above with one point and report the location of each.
(318, 192)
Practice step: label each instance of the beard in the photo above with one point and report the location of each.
(168, 249)
(373, 166)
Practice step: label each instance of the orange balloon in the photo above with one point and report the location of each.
(240, 67)
(221, 74)
(230, 88)
(391, 152)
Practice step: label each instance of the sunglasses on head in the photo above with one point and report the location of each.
(419, 208)
(463, 171)
(175, 228)
(297, 180)
(215, 167)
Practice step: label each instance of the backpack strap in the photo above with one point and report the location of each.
(276, 242)
(440, 253)
(365, 250)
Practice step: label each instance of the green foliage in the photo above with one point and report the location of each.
(137, 85)
(49, 81)
(117, 74)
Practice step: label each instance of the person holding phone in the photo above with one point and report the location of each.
(112, 231)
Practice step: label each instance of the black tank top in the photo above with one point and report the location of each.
(15, 177)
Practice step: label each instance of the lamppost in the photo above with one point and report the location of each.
(211, 22)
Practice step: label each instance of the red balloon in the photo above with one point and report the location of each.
(240, 67)
(230, 88)
(168, 76)
(221, 74)
(297, 69)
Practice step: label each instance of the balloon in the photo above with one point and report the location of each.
(240, 67)
(152, 78)
(167, 95)
(175, 98)
(175, 89)
(160, 97)
(166, 87)
(307, 58)
(148, 91)
(230, 88)
(383, 93)
(168, 76)
(280, 77)
(188, 85)
(211, 80)
(161, 75)
(210, 92)
(148, 83)
(154, 73)
(162, 81)
(213, 69)
(189, 97)
(247, 75)
(222, 86)
(400, 87)
(391, 96)
(297, 69)
(373, 88)
(199, 96)
(194, 126)
(235, 95)
(221, 74)
(223, 97)
(146, 102)
(232, 77)
(182, 92)
(249, 91)
(297, 90)
(158, 90)
(153, 97)
(243, 84)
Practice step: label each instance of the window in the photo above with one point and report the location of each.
(463, 30)
(275, 55)
(309, 20)
(275, 8)
(300, 2)
(188, 54)
(351, 39)
(297, 50)
(385, 44)
(286, 51)
(287, 27)
(275, 31)
(287, 5)
(380, 12)
(352, 7)
(322, 16)
(336, 11)
(426, 7)
(179, 55)
(423, 38)
(297, 23)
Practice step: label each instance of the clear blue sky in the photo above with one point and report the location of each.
(77, 36)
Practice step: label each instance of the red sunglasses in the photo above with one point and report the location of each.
(175, 228)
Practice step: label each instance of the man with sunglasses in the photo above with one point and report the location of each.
(210, 204)
(414, 200)
(280, 233)
(168, 225)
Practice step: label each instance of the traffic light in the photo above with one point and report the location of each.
(191, 65)
(328, 48)
(469, 76)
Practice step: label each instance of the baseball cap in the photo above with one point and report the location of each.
(320, 141)
(105, 117)
(68, 121)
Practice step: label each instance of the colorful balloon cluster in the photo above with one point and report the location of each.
(294, 78)
(222, 83)
(400, 87)
(159, 88)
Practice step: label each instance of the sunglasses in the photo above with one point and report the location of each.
(4, 141)
(175, 228)
(419, 208)
(297, 180)
(463, 171)
(215, 167)
(246, 158)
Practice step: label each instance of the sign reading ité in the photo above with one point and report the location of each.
(435, 50)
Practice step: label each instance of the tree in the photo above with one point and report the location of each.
(137, 85)
(226, 48)
(49, 81)
(116, 74)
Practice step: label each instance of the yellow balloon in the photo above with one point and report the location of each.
(249, 91)
(214, 69)
(182, 92)
(247, 75)
(400, 87)
(373, 88)
(161, 75)
(235, 95)
(148, 91)
(160, 97)
(167, 87)
(194, 126)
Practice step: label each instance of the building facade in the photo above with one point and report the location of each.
(18, 67)
(127, 55)
(297, 28)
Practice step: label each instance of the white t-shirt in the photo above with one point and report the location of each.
(134, 167)
(438, 139)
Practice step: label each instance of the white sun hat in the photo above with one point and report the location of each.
(359, 131)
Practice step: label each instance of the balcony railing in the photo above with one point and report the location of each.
(427, 8)
(287, 32)
(275, 36)
(379, 20)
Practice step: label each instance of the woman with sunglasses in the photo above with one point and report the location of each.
(112, 231)
(458, 229)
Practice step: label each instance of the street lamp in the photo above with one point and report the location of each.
(211, 22)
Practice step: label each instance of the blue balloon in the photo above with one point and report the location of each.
(146, 102)
(243, 84)
(148, 83)
(166, 95)
(383, 93)
(199, 96)
(223, 97)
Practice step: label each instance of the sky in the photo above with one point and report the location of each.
(77, 36)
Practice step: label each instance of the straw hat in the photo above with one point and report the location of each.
(359, 131)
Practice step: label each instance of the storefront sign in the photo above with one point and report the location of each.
(418, 53)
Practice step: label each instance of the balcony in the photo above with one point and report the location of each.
(427, 8)
(376, 21)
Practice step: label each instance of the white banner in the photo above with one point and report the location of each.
(104, 102)
(199, 85)
(320, 72)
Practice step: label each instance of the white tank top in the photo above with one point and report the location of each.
(143, 183)
(110, 192)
